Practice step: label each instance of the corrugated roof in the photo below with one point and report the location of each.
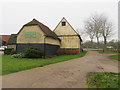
(44, 28)
(13, 39)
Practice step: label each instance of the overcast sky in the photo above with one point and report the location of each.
(16, 14)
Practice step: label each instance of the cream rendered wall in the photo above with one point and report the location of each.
(67, 41)
(52, 41)
(70, 42)
(12, 46)
(39, 35)
(64, 30)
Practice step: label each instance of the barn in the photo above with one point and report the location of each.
(36, 34)
(12, 41)
(70, 39)
(63, 40)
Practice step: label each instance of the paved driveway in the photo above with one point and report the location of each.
(67, 74)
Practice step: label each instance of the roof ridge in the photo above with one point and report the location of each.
(41, 23)
(37, 22)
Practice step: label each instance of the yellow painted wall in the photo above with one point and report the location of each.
(12, 46)
(39, 36)
(64, 30)
(52, 41)
(67, 41)
(70, 42)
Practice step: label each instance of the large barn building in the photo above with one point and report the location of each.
(64, 39)
(36, 34)
(70, 39)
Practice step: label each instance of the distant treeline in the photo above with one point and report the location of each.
(113, 44)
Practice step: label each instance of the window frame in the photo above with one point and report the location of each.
(63, 23)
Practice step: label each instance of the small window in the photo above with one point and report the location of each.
(63, 23)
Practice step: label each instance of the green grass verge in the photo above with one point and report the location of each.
(107, 52)
(11, 65)
(116, 57)
(103, 80)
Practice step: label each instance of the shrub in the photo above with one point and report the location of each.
(18, 55)
(13, 52)
(7, 51)
(32, 52)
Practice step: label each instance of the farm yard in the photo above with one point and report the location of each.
(60, 45)
(67, 74)
(30, 61)
(12, 65)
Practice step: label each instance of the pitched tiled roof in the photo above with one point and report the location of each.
(12, 39)
(5, 37)
(44, 28)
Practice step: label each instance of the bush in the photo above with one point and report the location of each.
(32, 52)
(18, 55)
(7, 51)
(13, 52)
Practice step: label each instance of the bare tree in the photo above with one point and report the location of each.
(81, 33)
(106, 29)
(96, 19)
(97, 26)
(89, 29)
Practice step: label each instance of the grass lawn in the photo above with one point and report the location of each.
(103, 80)
(11, 65)
(116, 57)
(107, 52)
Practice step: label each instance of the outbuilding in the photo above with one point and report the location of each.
(36, 34)
(70, 39)
(12, 41)
(4, 39)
